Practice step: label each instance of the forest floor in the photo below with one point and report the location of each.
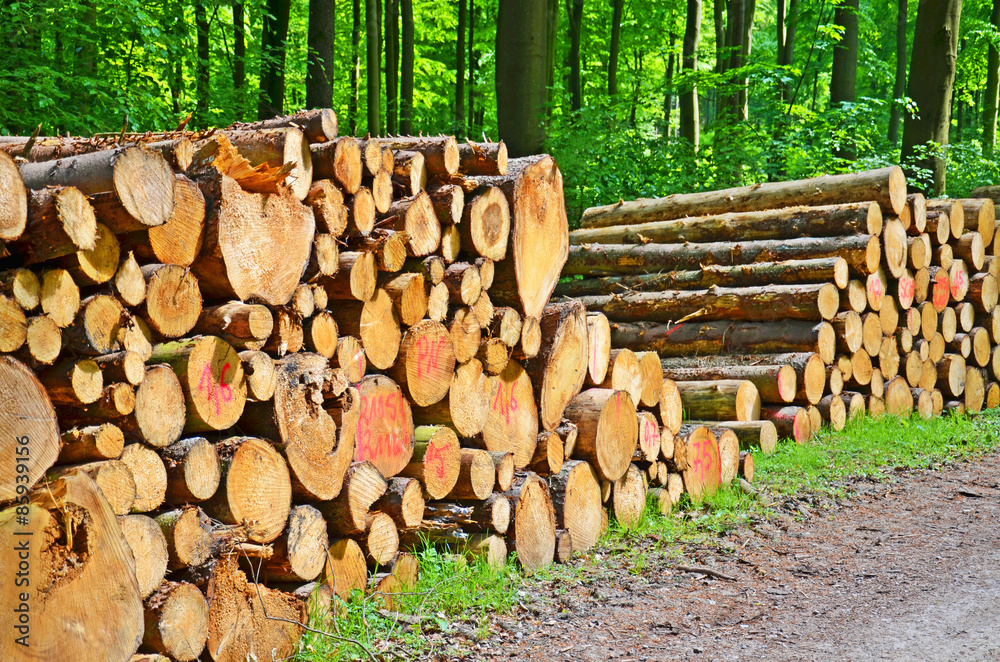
(903, 569)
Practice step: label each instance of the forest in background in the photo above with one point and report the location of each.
(779, 88)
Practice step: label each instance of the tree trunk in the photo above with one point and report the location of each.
(788, 55)
(406, 74)
(202, 74)
(932, 76)
(559, 368)
(352, 103)
(534, 530)
(176, 617)
(845, 54)
(272, 76)
(615, 48)
(719, 23)
(608, 430)
(899, 86)
(373, 39)
(575, 14)
(690, 123)
(460, 52)
(992, 92)
(320, 58)
(520, 74)
(471, 85)
(239, 46)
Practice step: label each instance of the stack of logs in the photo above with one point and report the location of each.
(248, 368)
(832, 296)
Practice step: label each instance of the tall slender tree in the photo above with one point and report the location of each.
(689, 93)
(472, 69)
(391, 65)
(843, 78)
(352, 103)
(899, 86)
(615, 46)
(788, 18)
(574, 9)
(406, 68)
(520, 74)
(668, 96)
(460, 67)
(932, 77)
(739, 33)
(719, 23)
(991, 97)
(551, 38)
(372, 74)
(239, 46)
(202, 75)
(320, 58)
(272, 64)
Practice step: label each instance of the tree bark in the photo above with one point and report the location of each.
(899, 86)
(932, 77)
(521, 74)
(352, 103)
(272, 77)
(239, 46)
(202, 73)
(690, 122)
(615, 48)
(320, 55)
(460, 52)
(373, 76)
(574, 9)
(406, 74)
(845, 54)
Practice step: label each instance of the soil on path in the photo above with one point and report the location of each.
(905, 569)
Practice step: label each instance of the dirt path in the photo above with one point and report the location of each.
(905, 570)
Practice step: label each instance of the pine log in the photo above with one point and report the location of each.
(149, 547)
(376, 323)
(160, 412)
(476, 477)
(466, 334)
(13, 200)
(350, 358)
(211, 376)
(415, 215)
(750, 434)
(983, 292)
(346, 570)
(451, 243)
(449, 202)
(426, 362)
(975, 389)
(376, 420)
(139, 178)
(42, 340)
(818, 270)
(951, 370)
(485, 225)
(380, 543)
(539, 234)
(346, 513)
(361, 209)
(320, 335)
(361, 272)
(628, 498)
(534, 530)
(724, 400)
(273, 233)
(862, 252)
(441, 154)
(72, 383)
(83, 576)
(176, 621)
(149, 474)
(512, 419)
(245, 617)
(23, 286)
(791, 422)
(788, 223)
(299, 553)
(60, 222)
(775, 382)
(173, 301)
(671, 407)
(970, 248)
(403, 501)
(318, 125)
(608, 430)
(327, 203)
(113, 477)
(766, 303)
(193, 470)
(436, 460)
(179, 240)
(887, 186)
(255, 488)
(894, 246)
(467, 406)
(491, 515)
(13, 325)
(486, 158)
(855, 403)
(702, 464)
(97, 265)
(338, 159)
(284, 148)
(549, 455)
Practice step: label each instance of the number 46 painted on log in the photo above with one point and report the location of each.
(214, 389)
(508, 406)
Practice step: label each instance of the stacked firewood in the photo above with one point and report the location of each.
(252, 367)
(833, 296)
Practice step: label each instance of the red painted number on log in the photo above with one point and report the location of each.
(428, 355)
(940, 294)
(959, 284)
(435, 459)
(876, 288)
(705, 462)
(391, 443)
(505, 407)
(907, 288)
(651, 436)
(214, 389)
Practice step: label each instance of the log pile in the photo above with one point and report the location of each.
(253, 367)
(830, 296)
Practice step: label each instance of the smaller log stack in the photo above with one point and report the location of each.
(283, 359)
(833, 296)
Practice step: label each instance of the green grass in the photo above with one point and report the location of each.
(455, 594)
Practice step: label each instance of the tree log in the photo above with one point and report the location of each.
(176, 621)
(13, 200)
(512, 420)
(426, 363)
(775, 382)
(403, 500)
(467, 406)
(193, 470)
(436, 460)
(608, 430)
(534, 530)
(485, 225)
(338, 159)
(347, 512)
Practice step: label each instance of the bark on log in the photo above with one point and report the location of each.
(862, 252)
(97, 265)
(477, 159)
(300, 552)
(726, 337)
(476, 477)
(176, 621)
(278, 148)
(789, 223)
(791, 422)
(347, 512)
(723, 400)
(60, 222)
(887, 186)
(193, 470)
(560, 367)
(491, 515)
(403, 501)
(775, 382)
(441, 154)
(339, 160)
(608, 430)
(318, 125)
(534, 530)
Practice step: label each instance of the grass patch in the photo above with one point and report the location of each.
(455, 594)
